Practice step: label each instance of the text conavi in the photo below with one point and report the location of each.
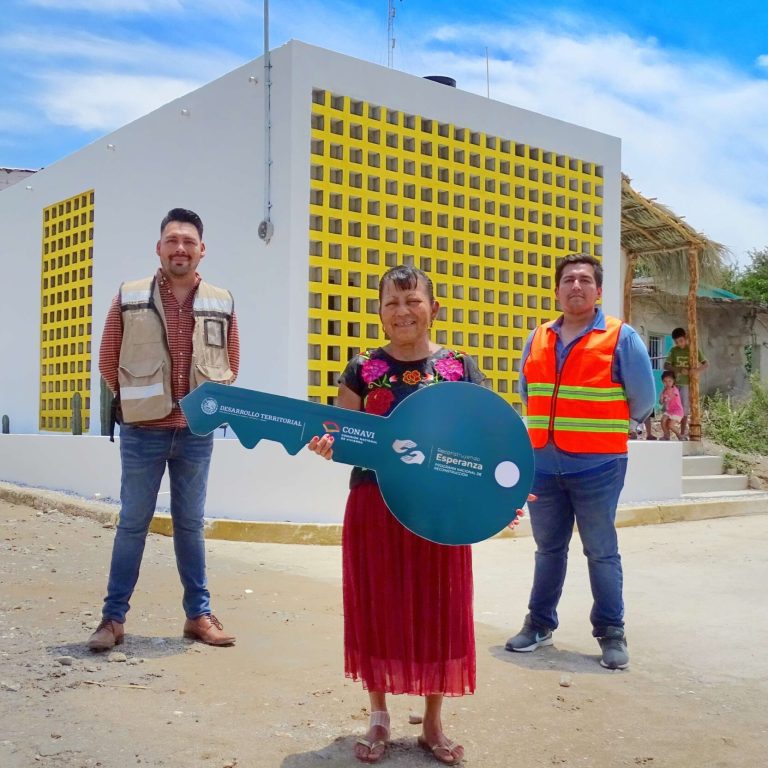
(354, 431)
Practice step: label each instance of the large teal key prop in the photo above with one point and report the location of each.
(453, 460)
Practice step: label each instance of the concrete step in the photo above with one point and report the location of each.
(734, 496)
(707, 483)
(702, 465)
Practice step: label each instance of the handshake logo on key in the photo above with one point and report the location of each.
(413, 457)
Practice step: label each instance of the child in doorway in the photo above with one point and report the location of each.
(671, 405)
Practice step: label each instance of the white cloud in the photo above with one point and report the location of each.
(110, 6)
(106, 102)
(52, 44)
(137, 54)
(694, 131)
(150, 7)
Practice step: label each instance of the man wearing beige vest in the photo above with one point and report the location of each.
(165, 335)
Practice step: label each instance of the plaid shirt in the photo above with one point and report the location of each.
(180, 323)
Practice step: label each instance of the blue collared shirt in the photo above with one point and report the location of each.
(631, 368)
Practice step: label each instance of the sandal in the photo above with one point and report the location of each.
(379, 718)
(450, 757)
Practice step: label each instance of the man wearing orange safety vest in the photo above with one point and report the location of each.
(584, 376)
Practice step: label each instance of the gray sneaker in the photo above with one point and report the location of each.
(529, 638)
(614, 647)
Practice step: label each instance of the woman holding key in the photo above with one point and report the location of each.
(408, 621)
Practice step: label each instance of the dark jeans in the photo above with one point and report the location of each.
(144, 454)
(589, 498)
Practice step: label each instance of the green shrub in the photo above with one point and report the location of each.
(739, 463)
(740, 425)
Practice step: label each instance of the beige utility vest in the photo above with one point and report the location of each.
(144, 371)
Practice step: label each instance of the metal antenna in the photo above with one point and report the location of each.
(391, 33)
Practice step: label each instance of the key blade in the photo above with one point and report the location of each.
(256, 416)
(253, 416)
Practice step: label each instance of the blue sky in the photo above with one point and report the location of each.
(684, 84)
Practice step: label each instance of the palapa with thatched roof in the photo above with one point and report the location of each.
(655, 238)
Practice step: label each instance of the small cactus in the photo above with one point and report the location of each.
(77, 414)
(105, 407)
(6, 425)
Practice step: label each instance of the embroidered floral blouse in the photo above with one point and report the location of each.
(382, 382)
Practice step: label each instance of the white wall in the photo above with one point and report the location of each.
(266, 483)
(654, 473)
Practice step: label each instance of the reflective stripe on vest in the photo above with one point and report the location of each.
(141, 393)
(212, 305)
(582, 408)
(134, 299)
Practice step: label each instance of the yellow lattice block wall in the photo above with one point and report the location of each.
(66, 311)
(484, 216)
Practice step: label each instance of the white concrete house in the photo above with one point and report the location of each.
(368, 167)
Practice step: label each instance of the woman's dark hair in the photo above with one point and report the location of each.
(185, 216)
(405, 278)
(579, 258)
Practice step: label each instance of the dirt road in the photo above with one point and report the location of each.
(695, 695)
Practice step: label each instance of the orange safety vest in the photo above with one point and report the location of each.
(582, 407)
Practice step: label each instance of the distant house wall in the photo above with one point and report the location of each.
(11, 176)
(726, 330)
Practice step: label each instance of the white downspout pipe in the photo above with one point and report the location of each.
(266, 228)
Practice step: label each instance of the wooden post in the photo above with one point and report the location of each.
(628, 278)
(694, 420)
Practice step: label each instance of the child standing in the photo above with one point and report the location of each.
(679, 362)
(671, 405)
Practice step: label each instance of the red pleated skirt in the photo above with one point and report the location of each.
(408, 621)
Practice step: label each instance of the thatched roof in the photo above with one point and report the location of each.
(673, 253)
(654, 236)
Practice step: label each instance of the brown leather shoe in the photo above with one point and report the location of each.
(107, 635)
(207, 629)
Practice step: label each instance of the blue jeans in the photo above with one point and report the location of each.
(144, 453)
(589, 498)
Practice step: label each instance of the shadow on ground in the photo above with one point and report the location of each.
(341, 752)
(552, 658)
(138, 646)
